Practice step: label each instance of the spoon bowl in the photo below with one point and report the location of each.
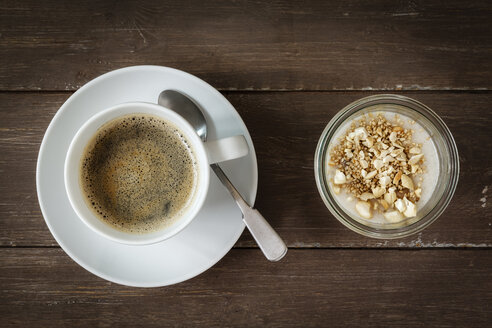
(185, 107)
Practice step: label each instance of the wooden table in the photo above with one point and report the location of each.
(287, 67)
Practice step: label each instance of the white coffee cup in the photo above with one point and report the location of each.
(206, 153)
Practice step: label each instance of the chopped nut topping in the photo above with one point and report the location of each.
(406, 182)
(377, 162)
(411, 210)
(400, 205)
(415, 159)
(366, 196)
(339, 177)
(364, 209)
(371, 175)
(397, 178)
(378, 191)
(393, 216)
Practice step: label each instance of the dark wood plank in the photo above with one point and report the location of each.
(251, 45)
(23, 120)
(285, 127)
(309, 288)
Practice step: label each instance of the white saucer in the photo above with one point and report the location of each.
(200, 245)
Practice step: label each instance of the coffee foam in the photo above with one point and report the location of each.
(138, 173)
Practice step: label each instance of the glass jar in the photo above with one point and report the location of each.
(447, 158)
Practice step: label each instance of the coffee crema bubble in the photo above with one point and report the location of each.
(138, 173)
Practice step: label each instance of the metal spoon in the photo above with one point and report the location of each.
(269, 241)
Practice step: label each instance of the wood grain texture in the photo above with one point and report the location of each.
(285, 127)
(308, 288)
(325, 54)
(251, 45)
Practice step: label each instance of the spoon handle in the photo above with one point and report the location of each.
(269, 241)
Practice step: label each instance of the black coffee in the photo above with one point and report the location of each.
(138, 173)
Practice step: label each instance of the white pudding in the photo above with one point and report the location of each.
(369, 203)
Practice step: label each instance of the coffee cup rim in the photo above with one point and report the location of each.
(72, 174)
